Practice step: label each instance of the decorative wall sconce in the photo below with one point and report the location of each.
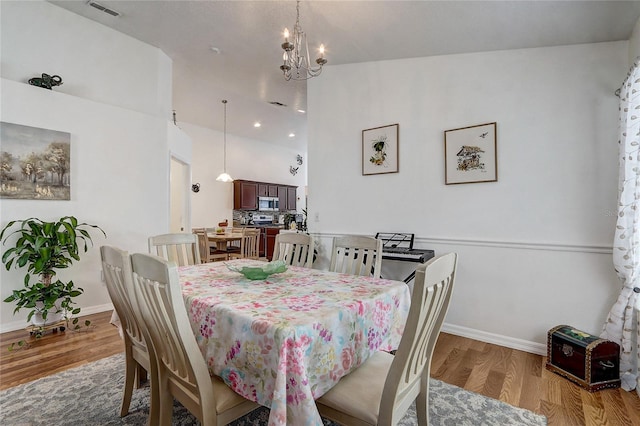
(195, 187)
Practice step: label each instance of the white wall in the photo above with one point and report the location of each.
(247, 159)
(535, 247)
(118, 159)
(94, 61)
(114, 102)
(634, 44)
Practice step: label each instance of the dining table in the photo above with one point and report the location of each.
(222, 240)
(285, 340)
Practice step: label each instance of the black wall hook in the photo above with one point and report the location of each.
(195, 187)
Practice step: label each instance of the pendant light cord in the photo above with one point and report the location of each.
(224, 102)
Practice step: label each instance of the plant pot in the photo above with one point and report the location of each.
(54, 315)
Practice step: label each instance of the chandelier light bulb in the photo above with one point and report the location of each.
(286, 34)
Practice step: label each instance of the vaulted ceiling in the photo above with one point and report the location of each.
(231, 49)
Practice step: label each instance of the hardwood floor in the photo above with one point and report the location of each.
(512, 376)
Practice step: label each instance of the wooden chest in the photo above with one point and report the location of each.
(587, 360)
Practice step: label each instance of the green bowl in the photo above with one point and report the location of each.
(260, 273)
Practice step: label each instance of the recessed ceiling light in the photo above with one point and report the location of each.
(291, 135)
(301, 111)
(215, 50)
(257, 124)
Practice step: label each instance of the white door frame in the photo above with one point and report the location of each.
(181, 183)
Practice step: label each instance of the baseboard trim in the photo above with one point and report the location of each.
(496, 339)
(18, 325)
(470, 333)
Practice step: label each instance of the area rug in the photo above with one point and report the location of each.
(90, 396)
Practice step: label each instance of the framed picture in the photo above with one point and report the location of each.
(35, 163)
(470, 154)
(380, 150)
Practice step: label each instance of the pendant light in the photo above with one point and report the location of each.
(224, 176)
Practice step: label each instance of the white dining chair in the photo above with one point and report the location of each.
(357, 255)
(249, 245)
(294, 249)
(116, 266)
(380, 391)
(181, 248)
(182, 369)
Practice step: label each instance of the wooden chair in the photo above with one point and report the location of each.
(116, 266)
(181, 248)
(234, 246)
(182, 369)
(294, 249)
(249, 245)
(357, 255)
(208, 252)
(380, 390)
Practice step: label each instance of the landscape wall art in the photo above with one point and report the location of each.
(35, 163)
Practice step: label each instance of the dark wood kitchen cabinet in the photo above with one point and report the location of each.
(292, 198)
(267, 190)
(282, 197)
(245, 195)
(263, 190)
(287, 196)
(267, 241)
(271, 241)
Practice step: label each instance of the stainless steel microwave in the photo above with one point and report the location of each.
(271, 204)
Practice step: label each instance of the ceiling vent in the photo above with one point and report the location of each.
(102, 8)
(276, 103)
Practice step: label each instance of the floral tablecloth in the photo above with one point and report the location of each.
(286, 340)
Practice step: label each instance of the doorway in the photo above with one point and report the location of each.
(179, 200)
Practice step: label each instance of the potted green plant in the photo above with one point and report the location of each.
(43, 248)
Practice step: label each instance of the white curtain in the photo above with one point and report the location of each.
(621, 325)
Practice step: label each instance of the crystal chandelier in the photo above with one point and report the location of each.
(296, 64)
(224, 176)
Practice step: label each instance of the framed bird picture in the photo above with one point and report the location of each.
(380, 150)
(470, 154)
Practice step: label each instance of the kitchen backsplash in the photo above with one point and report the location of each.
(241, 217)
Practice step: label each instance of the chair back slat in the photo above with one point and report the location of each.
(357, 255)
(249, 244)
(294, 249)
(180, 248)
(203, 245)
(250, 240)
